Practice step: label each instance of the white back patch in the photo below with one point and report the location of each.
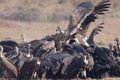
(77, 40)
(85, 60)
(85, 38)
(38, 62)
(84, 73)
(85, 42)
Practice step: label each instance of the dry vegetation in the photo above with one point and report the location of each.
(45, 10)
(35, 30)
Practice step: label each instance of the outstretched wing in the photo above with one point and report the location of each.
(94, 32)
(87, 15)
(77, 15)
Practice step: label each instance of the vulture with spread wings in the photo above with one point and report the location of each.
(84, 14)
(79, 21)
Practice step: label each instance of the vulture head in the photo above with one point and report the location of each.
(59, 29)
(23, 38)
(29, 52)
(116, 39)
(111, 46)
(118, 43)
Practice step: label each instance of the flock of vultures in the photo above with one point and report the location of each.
(67, 54)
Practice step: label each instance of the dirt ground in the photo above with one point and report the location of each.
(13, 30)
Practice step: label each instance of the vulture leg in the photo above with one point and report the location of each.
(78, 75)
(43, 75)
(34, 76)
(83, 73)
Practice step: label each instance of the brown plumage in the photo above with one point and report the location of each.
(94, 32)
(60, 40)
(77, 14)
(7, 64)
(84, 14)
(117, 43)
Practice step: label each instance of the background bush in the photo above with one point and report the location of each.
(46, 10)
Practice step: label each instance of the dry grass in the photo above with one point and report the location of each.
(109, 33)
(45, 11)
(13, 30)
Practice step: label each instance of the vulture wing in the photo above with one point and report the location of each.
(95, 31)
(84, 14)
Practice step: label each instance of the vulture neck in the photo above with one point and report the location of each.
(28, 55)
(118, 45)
(23, 39)
(1, 51)
(91, 39)
(60, 30)
(85, 60)
(17, 50)
(110, 47)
